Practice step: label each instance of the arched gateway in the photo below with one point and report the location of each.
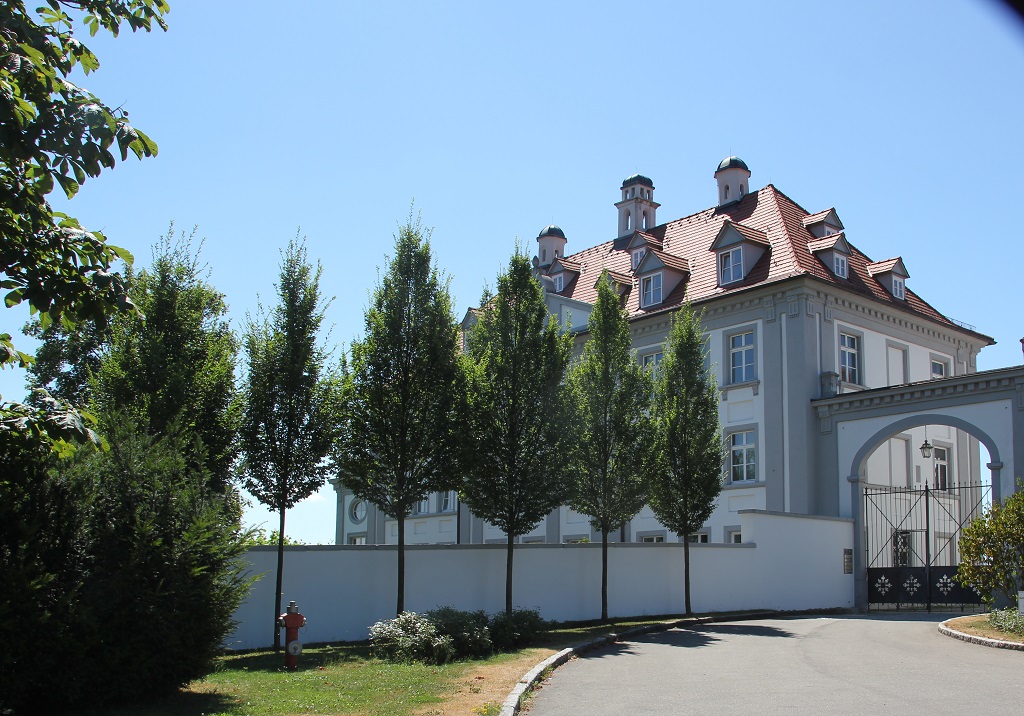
(898, 525)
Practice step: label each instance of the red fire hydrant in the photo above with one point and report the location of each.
(291, 620)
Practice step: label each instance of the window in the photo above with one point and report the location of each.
(725, 194)
(730, 266)
(651, 361)
(559, 282)
(422, 507)
(940, 369)
(652, 538)
(446, 501)
(898, 289)
(742, 457)
(357, 539)
(741, 358)
(357, 511)
(699, 538)
(849, 358)
(840, 266)
(736, 537)
(636, 257)
(941, 480)
(651, 290)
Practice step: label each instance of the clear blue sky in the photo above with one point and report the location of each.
(329, 118)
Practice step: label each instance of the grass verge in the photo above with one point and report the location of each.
(345, 679)
(978, 625)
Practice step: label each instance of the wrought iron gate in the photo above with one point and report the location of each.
(912, 538)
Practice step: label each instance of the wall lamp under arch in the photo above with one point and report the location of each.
(926, 449)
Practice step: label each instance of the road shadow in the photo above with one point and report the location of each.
(683, 638)
(743, 630)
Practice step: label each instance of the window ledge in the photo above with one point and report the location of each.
(724, 389)
(740, 485)
(846, 387)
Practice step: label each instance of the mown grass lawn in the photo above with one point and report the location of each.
(345, 679)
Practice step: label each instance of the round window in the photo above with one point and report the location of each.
(357, 511)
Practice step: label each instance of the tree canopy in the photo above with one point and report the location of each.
(291, 399)
(55, 133)
(406, 390)
(515, 475)
(688, 478)
(610, 395)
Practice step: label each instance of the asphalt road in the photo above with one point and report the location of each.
(874, 664)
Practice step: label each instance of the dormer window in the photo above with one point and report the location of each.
(840, 266)
(559, 282)
(637, 256)
(650, 290)
(730, 266)
(898, 289)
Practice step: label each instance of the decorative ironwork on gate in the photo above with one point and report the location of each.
(912, 540)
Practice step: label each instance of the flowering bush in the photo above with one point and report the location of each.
(468, 630)
(410, 637)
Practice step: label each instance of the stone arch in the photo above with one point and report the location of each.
(918, 420)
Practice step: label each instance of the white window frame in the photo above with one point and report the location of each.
(446, 501)
(849, 358)
(357, 511)
(743, 455)
(735, 269)
(943, 366)
(746, 371)
(636, 257)
(651, 361)
(940, 471)
(698, 538)
(840, 266)
(650, 290)
(422, 507)
(559, 280)
(899, 289)
(735, 537)
(653, 539)
(356, 539)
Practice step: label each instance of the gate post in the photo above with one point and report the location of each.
(860, 567)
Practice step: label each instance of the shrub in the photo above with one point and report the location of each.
(410, 637)
(516, 630)
(1008, 620)
(992, 549)
(468, 631)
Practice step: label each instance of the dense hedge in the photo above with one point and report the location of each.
(120, 572)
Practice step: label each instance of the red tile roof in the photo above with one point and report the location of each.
(880, 267)
(767, 213)
(815, 218)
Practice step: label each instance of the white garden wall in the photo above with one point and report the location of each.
(787, 561)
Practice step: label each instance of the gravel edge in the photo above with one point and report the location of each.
(970, 638)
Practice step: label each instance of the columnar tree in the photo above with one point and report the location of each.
(176, 367)
(611, 397)
(688, 477)
(514, 473)
(291, 399)
(405, 390)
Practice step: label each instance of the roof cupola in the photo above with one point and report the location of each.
(551, 245)
(733, 180)
(637, 208)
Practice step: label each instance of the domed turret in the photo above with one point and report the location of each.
(551, 244)
(733, 176)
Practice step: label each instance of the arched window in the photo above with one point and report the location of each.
(645, 220)
(629, 222)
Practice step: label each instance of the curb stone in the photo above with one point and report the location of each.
(513, 703)
(970, 638)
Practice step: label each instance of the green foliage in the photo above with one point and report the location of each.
(516, 629)
(689, 449)
(66, 360)
(259, 538)
(405, 392)
(516, 430)
(118, 562)
(410, 637)
(468, 630)
(1009, 620)
(992, 549)
(54, 133)
(610, 394)
(177, 365)
(291, 399)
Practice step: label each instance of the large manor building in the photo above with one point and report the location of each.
(793, 312)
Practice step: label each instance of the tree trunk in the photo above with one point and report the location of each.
(401, 563)
(604, 574)
(686, 572)
(508, 577)
(280, 581)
